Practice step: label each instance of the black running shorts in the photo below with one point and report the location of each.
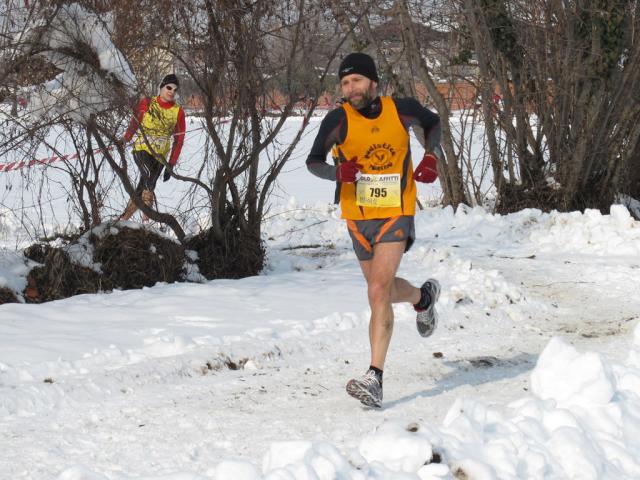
(150, 169)
(366, 233)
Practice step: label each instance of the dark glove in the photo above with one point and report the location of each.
(167, 173)
(427, 170)
(347, 171)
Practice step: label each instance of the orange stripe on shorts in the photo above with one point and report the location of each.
(385, 228)
(358, 236)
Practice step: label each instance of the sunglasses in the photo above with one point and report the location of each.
(170, 88)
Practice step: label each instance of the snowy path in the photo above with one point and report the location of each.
(589, 298)
(163, 415)
(176, 407)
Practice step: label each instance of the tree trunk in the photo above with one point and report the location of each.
(451, 176)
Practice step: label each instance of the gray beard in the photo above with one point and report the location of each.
(366, 100)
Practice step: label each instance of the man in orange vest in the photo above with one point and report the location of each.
(377, 193)
(157, 121)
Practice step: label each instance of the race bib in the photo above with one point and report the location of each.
(378, 190)
(159, 142)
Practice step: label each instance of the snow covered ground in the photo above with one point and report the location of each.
(534, 371)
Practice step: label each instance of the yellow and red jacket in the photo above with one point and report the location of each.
(156, 123)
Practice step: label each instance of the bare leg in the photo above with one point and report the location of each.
(384, 289)
(148, 198)
(129, 210)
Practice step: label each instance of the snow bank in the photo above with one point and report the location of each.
(81, 89)
(13, 270)
(574, 232)
(590, 232)
(579, 422)
(581, 418)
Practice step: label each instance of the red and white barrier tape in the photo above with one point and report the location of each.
(8, 167)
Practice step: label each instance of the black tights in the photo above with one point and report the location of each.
(150, 169)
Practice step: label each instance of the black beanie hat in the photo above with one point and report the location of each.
(171, 78)
(359, 63)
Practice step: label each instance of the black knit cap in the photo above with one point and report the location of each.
(359, 63)
(171, 78)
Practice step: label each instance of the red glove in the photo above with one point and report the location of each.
(347, 172)
(427, 170)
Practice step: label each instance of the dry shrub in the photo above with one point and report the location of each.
(135, 258)
(514, 198)
(238, 256)
(138, 258)
(58, 277)
(130, 258)
(7, 296)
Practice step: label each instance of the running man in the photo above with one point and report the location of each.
(377, 193)
(157, 121)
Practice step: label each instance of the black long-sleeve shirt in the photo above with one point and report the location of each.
(333, 130)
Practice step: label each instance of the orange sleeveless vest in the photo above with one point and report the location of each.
(387, 188)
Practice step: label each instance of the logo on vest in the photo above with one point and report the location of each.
(375, 129)
(380, 155)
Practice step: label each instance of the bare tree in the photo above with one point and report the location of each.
(252, 65)
(551, 82)
(239, 58)
(50, 60)
(391, 30)
(451, 179)
(565, 70)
